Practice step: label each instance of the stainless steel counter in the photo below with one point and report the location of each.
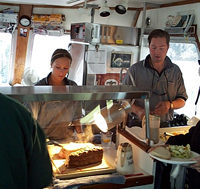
(78, 93)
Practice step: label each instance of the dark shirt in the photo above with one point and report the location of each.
(192, 138)
(24, 159)
(44, 81)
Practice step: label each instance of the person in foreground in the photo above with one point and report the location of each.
(192, 138)
(24, 159)
(161, 77)
(56, 116)
(192, 180)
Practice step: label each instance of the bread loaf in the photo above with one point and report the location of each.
(81, 154)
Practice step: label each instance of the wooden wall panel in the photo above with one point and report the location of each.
(21, 46)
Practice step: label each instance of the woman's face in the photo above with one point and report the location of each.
(60, 67)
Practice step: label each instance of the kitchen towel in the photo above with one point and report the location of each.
(75, 183)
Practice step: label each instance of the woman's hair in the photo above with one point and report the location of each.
(159, 33)
(59, 53)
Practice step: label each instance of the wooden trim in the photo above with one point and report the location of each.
(9, 4)
(196, 37)
(197, 40)
(179, 3)
(112, 8)
(135, 19)
(21, 47)
(134, 140)
(130, 182)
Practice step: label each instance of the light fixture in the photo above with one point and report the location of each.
(108, 117)
(104, 11)
(122, 7)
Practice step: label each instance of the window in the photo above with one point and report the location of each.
(43, 48)
(5, 57)
(185, 55)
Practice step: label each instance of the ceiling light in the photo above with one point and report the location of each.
(122, 7)
(104, 11)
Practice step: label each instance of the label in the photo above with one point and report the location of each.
(119, 41)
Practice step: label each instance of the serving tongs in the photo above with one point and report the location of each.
(168, 134)
(165, 134)
(53, 142)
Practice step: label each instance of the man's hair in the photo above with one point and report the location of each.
(159, 33)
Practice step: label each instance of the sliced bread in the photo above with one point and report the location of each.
(161, 152)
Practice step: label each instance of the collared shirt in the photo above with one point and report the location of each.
(45, 81)
(165, 86)
(56, 116)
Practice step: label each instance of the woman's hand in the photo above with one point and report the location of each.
(139, 111)
(77, 125)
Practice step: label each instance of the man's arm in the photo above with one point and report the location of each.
(163, 107)
(40, 169)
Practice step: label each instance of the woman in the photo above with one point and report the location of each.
(56, 116)
(60, 63)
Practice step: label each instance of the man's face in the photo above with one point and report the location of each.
(158, 49)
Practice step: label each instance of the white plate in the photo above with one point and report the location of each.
(178, 161)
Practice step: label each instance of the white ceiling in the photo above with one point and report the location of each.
(111, 3)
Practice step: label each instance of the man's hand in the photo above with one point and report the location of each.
(197, 164)
(161, 108)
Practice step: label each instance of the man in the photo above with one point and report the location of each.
(161, 77)
(24, 159)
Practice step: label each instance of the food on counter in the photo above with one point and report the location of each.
(180, 151)
(81, 154)
(161, 152)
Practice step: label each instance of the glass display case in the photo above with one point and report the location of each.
(113, 102)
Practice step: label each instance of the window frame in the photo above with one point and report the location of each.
(11, 58)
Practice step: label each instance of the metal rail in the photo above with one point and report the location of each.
(77, 93)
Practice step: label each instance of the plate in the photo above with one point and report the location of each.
(178, 161)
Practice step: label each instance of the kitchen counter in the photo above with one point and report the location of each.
(132, 181)
(136, 179)
(137, 135)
